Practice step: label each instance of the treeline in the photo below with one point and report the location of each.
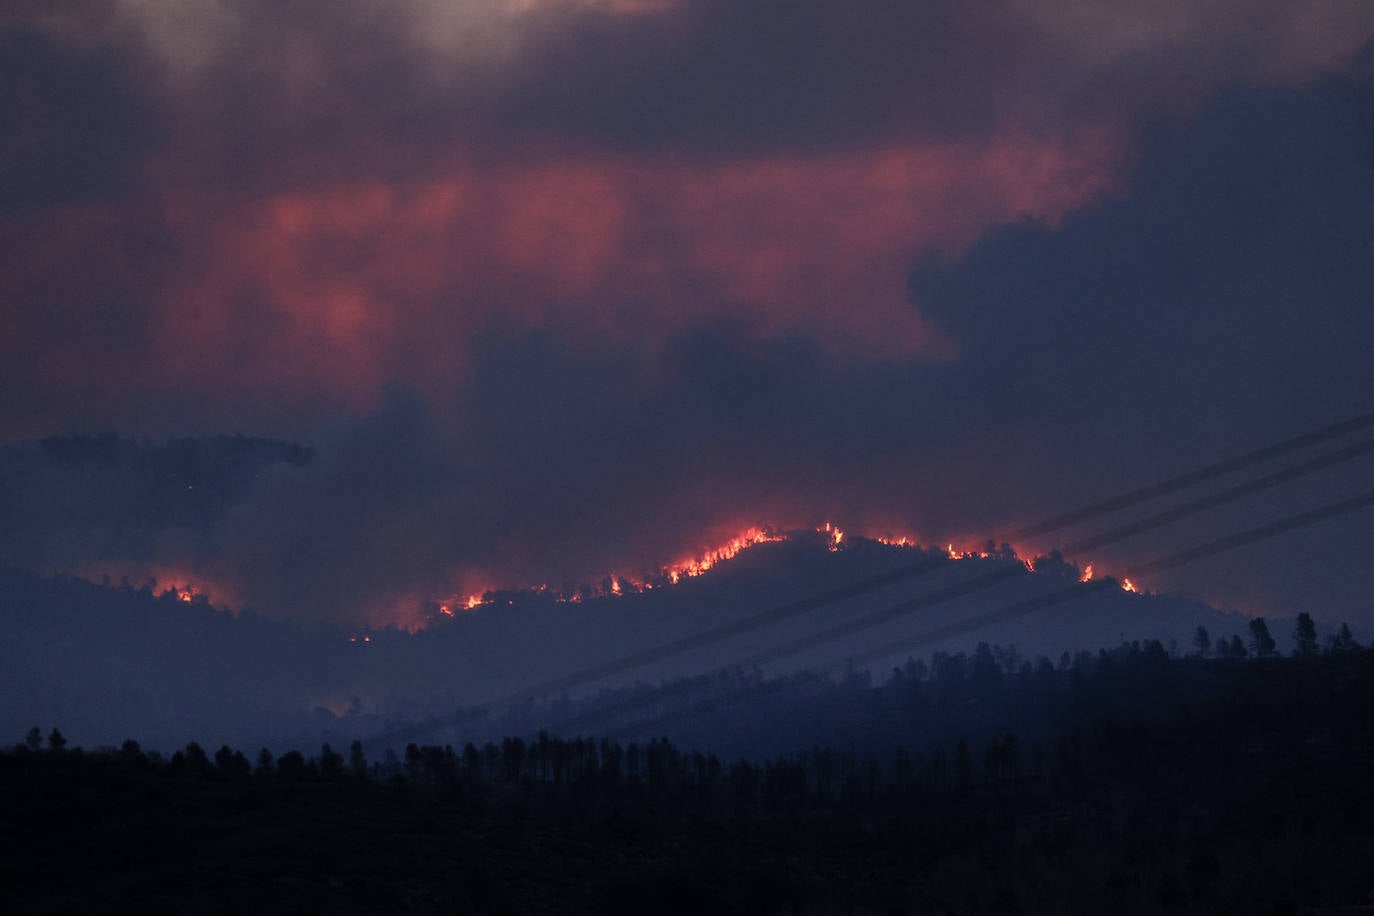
(1229, 787)
(1134, 681)
(923, 704)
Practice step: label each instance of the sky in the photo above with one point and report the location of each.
(556, 288)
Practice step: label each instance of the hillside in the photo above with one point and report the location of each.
(187, 671)
(1187, 786)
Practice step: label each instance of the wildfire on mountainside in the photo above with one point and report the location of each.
(616, 584)
(186, 593)
(188, 588)
(695, 566)
(165, 581)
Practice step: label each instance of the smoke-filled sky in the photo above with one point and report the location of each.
(561, 287)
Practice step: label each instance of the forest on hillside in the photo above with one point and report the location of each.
(1148, 784)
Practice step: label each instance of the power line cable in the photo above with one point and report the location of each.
(1229, 495)
(1171, 561)
(1027, 606)
(1208, 472)
(929, 564)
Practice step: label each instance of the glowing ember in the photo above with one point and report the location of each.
(1087, 574)
(462, 604)
(976, 554)
(896, 542)
(186, 594)
(1128, 586)
(835, 536)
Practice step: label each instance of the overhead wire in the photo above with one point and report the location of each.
(1015, 610)
(925, 565)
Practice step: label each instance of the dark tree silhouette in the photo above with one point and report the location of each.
(357, 762)
(1305, 635)
(331, 762)
(197, 761)
(34, 739)
(414, 760)
(985, 672)
(1111, 773)
(56, 741)
(291, 765)
(1261, 643)
(1203, 642)
(232, 763)
(1343, 640)
(512, 757)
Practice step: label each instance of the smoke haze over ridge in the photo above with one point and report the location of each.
(561, 289)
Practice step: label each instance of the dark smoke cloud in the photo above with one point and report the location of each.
(1216, 302)
(1230, 279)
(1219, 305)
(249, 211)
(74, 126)
(268, 95)
(713, 76)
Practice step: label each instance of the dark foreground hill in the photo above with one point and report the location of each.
(111, 662)
(1218, 786)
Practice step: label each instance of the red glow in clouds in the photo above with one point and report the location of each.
(366, 282)
(337, 290)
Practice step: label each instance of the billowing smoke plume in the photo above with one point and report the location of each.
(641, 274)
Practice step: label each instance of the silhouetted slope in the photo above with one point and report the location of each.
(112, 662)
(1185, 786)
(117, 661)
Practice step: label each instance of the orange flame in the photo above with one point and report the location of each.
(696, 566)
(836, 537)
(974, 554)
(896, 542)
(615, 585)
(619, 585)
